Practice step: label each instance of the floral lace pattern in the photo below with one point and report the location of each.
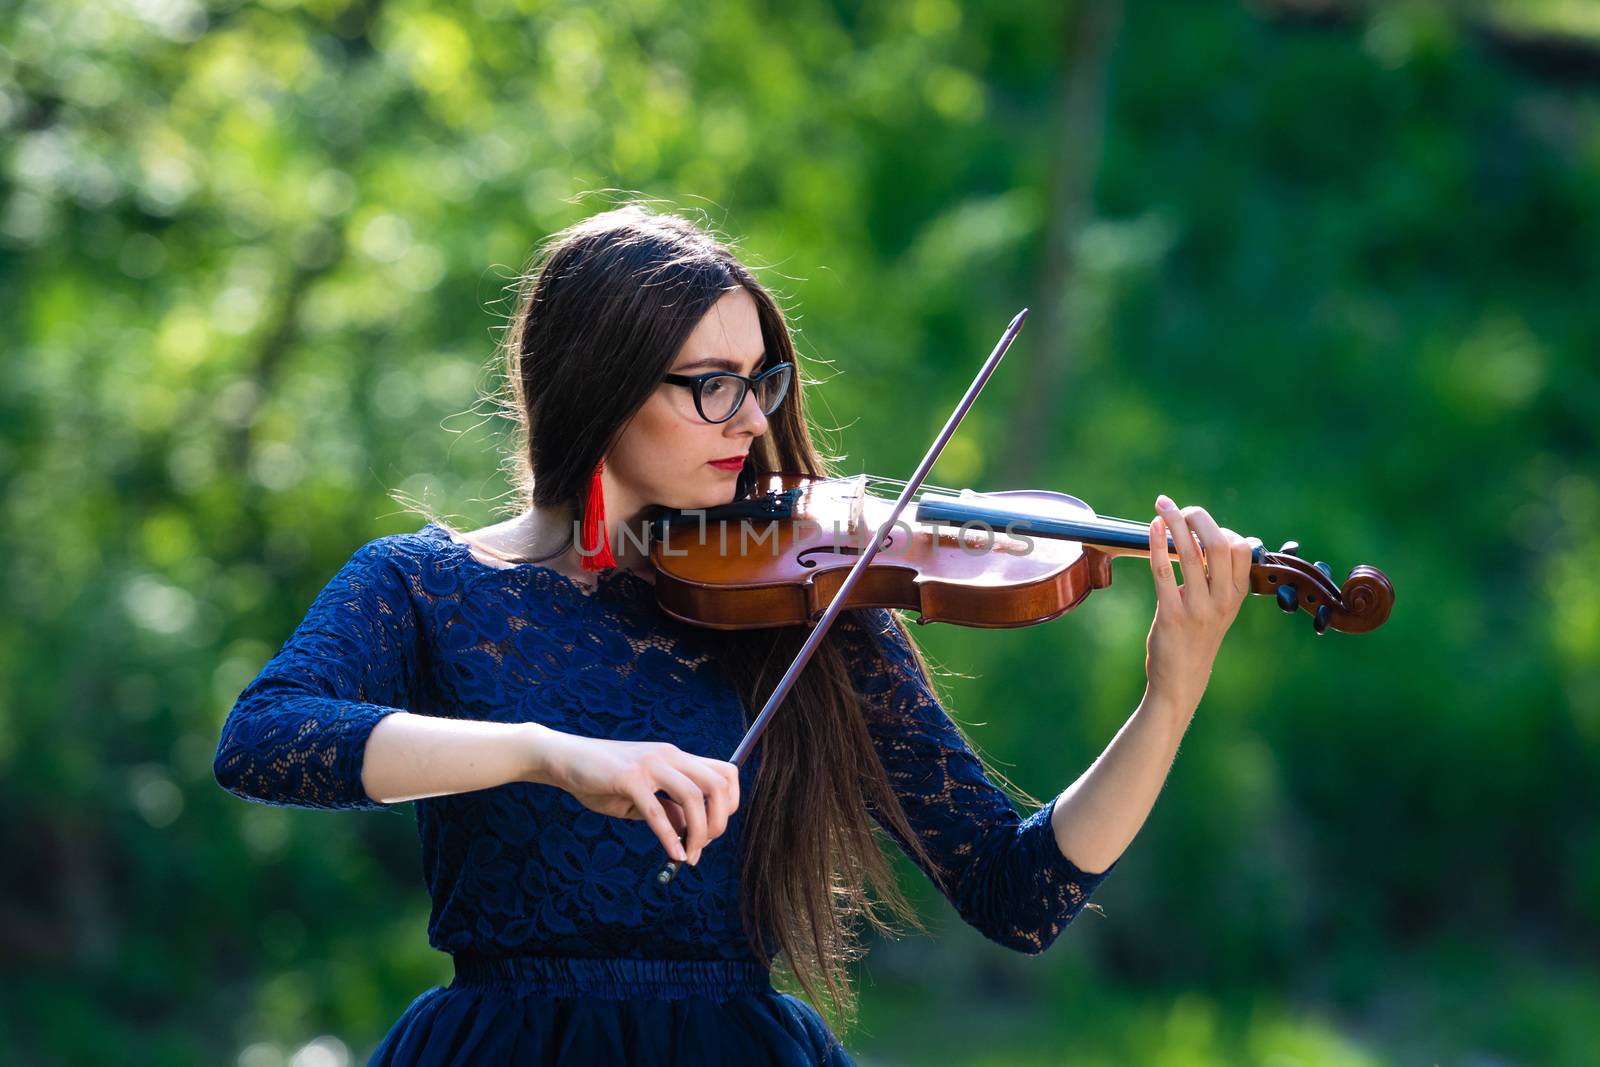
(417, 622)
(1004, 874)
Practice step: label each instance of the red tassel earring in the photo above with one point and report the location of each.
(593, 537)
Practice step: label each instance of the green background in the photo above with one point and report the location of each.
(1326, 269)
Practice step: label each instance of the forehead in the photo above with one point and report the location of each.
(727, 337)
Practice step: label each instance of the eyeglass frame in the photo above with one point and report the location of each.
(697, 382)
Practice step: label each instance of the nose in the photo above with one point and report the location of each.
(750, 416)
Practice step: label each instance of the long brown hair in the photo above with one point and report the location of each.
(599, 318)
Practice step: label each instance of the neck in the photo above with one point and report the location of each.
(557, 525)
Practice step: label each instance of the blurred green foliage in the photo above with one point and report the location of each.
(1332, 278)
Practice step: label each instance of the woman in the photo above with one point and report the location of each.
(561, 735)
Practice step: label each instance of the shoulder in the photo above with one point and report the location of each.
(503, 545)
(435, 537)
(500, 546)
(393, 557)
(509, 538)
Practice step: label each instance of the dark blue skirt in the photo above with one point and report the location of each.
(549, 1010)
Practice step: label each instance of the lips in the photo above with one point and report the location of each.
(730, 463)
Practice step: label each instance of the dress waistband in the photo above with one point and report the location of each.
(613, 978)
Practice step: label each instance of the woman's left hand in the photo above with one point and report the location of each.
(1192, 618)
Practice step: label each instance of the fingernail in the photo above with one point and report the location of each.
(1163, 502)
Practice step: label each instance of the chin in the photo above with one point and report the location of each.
(712, 497)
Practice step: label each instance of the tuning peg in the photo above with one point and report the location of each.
(1325, 569)
(1324, 615)
(1290, 548)
(1288, 598)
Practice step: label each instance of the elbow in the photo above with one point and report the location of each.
(261, 766)
(245, 755)
(230, 766)
(1027, 941)
(222, 763)
(225, 769)
(1030, 944)
(1025, 928)
(1000, 915)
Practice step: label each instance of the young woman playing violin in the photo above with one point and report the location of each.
(561, 736)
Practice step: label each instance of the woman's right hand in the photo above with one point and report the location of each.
(624, 778)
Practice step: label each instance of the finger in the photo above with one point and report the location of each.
(1161, 565)
(651, 811)
(682, 789)
(1242, 552)
(1218, 549)
(1188, 552)
(715, 787)
(680, 821)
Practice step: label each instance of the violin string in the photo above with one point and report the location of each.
(901, 483)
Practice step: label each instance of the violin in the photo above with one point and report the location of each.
(780, 557)
(820, 559)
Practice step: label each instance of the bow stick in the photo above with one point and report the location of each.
(843, 595)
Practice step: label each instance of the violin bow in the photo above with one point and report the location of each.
(819, 631)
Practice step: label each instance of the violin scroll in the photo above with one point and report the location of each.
(1361, 604)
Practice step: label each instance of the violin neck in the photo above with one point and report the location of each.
(1114, 537)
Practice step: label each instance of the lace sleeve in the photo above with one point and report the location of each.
(297, 735)
(1004, 873)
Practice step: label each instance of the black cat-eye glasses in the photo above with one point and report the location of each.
(719, 394)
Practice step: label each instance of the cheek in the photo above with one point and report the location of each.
(658, 437)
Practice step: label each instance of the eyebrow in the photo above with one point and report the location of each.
(720, 364)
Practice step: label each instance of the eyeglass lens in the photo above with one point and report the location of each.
(721, 396)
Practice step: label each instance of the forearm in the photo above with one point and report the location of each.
(410, 757)
(1099, 814)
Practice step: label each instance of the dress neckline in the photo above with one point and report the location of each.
(610, 578)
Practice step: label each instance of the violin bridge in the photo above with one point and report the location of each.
(858, 496)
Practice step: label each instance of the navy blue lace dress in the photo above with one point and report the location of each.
(565, 948)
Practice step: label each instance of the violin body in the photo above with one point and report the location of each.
(1005, 559)
(784, 569)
